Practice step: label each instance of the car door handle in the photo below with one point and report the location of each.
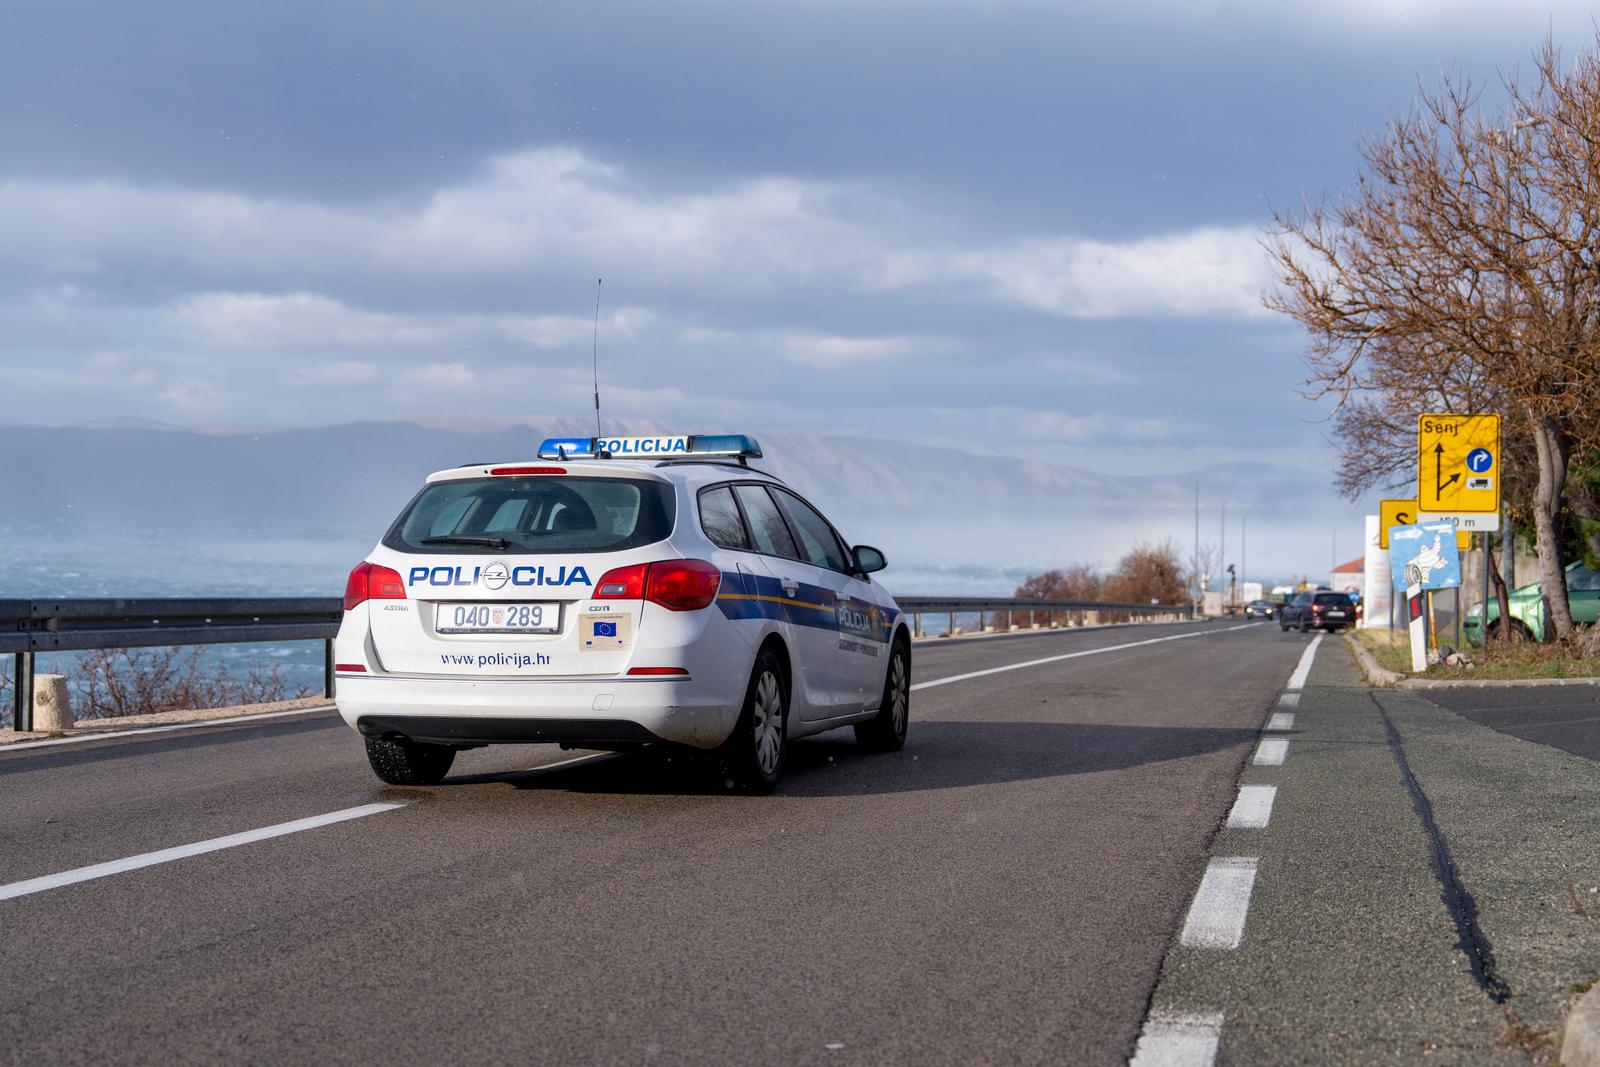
(790, 586)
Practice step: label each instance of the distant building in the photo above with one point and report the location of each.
(1346, 577)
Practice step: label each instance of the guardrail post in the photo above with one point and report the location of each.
(22, 692)
(327, 668)
(952, 631)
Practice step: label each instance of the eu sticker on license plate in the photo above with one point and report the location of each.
(498, 618)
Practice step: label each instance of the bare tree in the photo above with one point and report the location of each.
(1461, 275)
(1149, 573)
(1077, 582)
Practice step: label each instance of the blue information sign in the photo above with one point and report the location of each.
(1479, 460)
(1425, 555)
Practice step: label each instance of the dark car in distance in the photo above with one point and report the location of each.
(1258, 609)
(1320, 610)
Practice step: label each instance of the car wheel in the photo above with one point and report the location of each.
(1283, 626)
(401, 761)
(1305, 627)
(753, 756)
(886, 731)
(1519, 630)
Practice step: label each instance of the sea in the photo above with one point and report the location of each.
(41, 562)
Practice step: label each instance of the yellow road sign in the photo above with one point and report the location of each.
(1406, 513)
(1458, 463)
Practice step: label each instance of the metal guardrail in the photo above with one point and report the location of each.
(29, 627)
(1054, 613)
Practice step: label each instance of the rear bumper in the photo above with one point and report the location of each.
(495, 730)
(492, 711)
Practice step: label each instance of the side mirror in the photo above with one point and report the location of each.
(868, 559)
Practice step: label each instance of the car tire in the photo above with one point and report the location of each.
(1519, 630)
(753, 756)
(886, 731)
(1305, 627)
(1283, 626)
(402, 761)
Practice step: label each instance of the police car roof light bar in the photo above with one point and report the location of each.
(678, 446)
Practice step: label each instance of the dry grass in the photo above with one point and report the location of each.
(1522, 660)
(115, 683)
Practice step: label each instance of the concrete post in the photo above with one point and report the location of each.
(52, 706)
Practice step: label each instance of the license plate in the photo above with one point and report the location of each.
(498, 618)
(1335, 614)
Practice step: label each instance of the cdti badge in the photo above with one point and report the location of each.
(1458, 463)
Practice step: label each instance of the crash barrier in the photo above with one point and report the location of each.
(1035, 613)
(29, 627)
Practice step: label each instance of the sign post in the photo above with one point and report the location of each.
(1418, 624)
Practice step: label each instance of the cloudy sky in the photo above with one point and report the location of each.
(1028, 225)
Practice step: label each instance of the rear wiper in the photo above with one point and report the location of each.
(486, 540)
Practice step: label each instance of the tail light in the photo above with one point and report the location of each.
(675, 584)
(503, 472)
(623, 583)
(369, 581)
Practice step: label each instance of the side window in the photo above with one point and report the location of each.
(818, 545)
(1583, 579)
(767, 529)
(719, 517)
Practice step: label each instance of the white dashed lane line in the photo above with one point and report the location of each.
(1289, 700)
(1253, 808)
(1281, 720)
(1216, 918)
(1178, 1039)
(198, 848)
(1271, 752)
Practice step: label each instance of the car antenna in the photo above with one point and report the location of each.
(596, 353)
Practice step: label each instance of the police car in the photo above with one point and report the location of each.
(618, 592)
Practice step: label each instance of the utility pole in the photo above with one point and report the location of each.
(1242, 543)
(1199, 582)
(1222, 558)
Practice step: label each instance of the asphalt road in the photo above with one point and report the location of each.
(1567, 717)
(1002, 891)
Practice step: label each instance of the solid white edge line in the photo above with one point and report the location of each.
(1290, 700)
(1253, 808)
(1281, 720)
(1297, 680)
(1178, 1039)
(198, 848)
(1271, 752)
(1221, 904)
(1073, 655)
(136, 731)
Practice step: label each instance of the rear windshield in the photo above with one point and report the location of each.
(534, 514)
(1337, 599)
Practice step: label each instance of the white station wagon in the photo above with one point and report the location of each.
(618, 592)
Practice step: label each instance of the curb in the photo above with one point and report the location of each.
(1580, 1042)
(1379, 676)
(1376, 675)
